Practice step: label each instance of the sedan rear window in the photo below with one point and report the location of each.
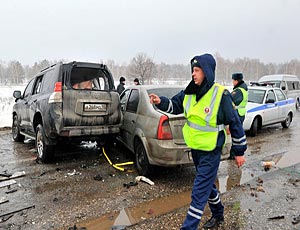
(167, 92)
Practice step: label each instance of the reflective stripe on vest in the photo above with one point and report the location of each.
(201, 130)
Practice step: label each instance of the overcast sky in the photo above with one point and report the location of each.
(166, 30)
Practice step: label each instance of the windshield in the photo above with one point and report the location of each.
(256, 95)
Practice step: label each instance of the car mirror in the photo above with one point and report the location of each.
(122, 107)
(270, 101)
(17, 94)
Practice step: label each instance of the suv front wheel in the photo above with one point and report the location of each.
(44, 151)
(16, 130)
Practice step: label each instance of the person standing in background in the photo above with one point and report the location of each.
(136, 81)
(239, 95)
(121, 87)
(240, 98)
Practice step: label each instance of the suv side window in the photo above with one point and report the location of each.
(38, 85)
(280, 95)
(28, 90)
(133, 101)
(48, 82)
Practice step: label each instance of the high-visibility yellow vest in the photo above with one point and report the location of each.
(241, 108)
(201, 130)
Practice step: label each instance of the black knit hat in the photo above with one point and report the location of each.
(122, 79)
(237, 76)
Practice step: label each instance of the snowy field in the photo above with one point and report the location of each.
(6, 103)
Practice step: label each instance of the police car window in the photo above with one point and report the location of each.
(133, 101)
(271, 95)
(280, 95)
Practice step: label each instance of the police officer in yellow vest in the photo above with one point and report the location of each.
(239, 95)
(208, 107)
(240, 98)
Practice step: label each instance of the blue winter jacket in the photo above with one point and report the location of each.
(227, 115)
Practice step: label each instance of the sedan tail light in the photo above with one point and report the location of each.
(164, 130)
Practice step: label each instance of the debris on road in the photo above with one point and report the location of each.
(296, 220)
(11, 191)
(13, 176)
(19, 210)
(267, 164)
(3, 200)
(144, 179)
(73, 173)
(131, 183)
(7, 183)
(118, 165)
(276, 218)
(98, 177)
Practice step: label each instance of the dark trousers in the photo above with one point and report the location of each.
(204, 188)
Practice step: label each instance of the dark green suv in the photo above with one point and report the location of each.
(75, 101)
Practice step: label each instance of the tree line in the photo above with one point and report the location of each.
(147, 71)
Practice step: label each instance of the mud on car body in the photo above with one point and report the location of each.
(155, 137)
(53, 108)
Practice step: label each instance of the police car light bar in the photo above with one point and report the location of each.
(256, 83)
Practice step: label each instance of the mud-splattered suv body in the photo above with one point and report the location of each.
(52, 109)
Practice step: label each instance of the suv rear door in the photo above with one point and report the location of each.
(97, 106)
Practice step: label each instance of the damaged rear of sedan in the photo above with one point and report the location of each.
(71, 102)
(155, 137)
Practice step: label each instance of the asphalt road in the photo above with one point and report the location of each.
(81, 188)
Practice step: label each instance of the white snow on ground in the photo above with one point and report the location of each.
(6, 103)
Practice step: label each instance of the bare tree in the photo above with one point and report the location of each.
(15, 72)
(141, 66)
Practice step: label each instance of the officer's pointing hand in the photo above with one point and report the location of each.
(154, 99)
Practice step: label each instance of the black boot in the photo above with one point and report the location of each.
(214, 222)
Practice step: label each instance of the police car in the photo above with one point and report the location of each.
(267, 105)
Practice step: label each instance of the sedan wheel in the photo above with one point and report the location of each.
(141, 159)
(287, 122)
(44, 151)
(254, 128)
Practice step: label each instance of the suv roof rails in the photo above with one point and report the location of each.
(256, 83)
(48, 67)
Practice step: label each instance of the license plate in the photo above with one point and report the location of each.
(94, 107)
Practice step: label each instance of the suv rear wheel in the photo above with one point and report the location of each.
(44, 151)
(16, 130)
